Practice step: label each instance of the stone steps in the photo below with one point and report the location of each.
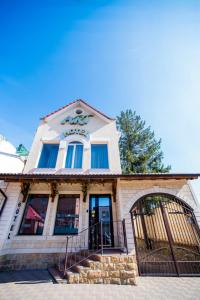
(98, 269)
(88, 262)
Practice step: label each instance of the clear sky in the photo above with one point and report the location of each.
(143, 55)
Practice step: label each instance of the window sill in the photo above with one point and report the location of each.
(43, 170)
(100, 171)
(29, 237)
(70, 171)
(65, 234)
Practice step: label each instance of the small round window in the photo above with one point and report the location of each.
(78, 111)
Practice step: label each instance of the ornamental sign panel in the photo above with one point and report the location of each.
(77, 120)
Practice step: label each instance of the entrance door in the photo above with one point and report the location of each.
(100, 222)
(167, 237)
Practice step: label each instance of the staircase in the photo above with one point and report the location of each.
(109, 268)
(107, 262)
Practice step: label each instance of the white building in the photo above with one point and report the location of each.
(72, 186)
(10, 162)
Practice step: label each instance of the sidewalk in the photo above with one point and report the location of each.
(33, 285)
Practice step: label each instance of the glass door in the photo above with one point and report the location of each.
(100, 210)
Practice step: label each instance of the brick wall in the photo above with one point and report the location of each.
(130, 192)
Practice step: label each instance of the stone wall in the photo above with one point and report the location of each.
(23, 261)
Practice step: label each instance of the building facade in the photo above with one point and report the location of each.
(72, 186)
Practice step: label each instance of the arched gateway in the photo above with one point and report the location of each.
(167, 236)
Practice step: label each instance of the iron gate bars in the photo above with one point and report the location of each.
(166, 236)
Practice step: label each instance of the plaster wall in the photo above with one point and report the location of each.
(101, 130)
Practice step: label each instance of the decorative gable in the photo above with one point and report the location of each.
(76, 136)
(81, 103)
(77, 118)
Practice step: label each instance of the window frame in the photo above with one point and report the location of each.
(74, 144)
(77, 195)
(24, 211)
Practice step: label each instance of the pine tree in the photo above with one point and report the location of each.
(140, 152)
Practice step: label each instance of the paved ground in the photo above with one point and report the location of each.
(37, 285)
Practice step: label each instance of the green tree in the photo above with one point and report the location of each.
(140, 152)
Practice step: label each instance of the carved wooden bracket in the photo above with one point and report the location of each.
(54, 190)
(25, 186)
(85, 186)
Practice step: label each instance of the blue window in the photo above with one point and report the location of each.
(74, 157)
(48, 156)
(99, 156)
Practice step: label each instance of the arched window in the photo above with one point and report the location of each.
(74, 156)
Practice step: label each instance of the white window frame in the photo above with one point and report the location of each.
(73, 154)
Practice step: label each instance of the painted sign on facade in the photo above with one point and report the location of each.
(76, 131)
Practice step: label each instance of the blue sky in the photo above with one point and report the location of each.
(117, 54)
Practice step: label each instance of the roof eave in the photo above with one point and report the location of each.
(74, 102)
(81, 177)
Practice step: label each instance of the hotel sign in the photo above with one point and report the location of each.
(77, 120)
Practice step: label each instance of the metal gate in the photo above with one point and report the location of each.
(166, 235)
